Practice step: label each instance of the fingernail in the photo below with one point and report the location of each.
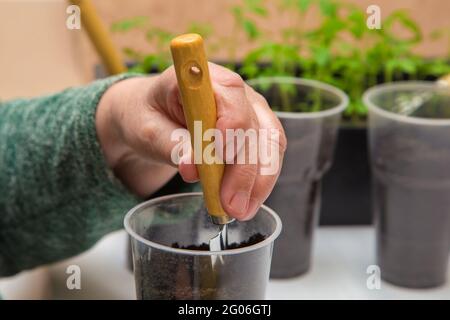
(239, 203)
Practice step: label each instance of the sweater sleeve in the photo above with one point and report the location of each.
(57, 196)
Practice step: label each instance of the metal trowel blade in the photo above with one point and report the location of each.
(219, 242)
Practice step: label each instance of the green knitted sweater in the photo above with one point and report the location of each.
(57, 196)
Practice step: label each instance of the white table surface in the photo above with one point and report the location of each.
(341, 257)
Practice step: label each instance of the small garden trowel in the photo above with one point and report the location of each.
(198, 102)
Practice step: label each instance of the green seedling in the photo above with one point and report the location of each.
(340, 50)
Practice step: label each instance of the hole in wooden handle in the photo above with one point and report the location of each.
(193, 74)
(195, 70)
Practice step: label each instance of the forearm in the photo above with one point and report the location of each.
(57, 195)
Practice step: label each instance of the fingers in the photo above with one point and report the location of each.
(164, 141)
(249, 176)
(188, 169)
(271, 158)
(165, 97)
(238, 124)
(142, 177)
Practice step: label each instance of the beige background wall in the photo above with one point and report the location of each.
(39, 55)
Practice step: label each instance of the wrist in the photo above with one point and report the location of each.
(108, 127)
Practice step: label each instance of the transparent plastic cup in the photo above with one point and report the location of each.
(410, 161)
(163, 232)
(311, 136)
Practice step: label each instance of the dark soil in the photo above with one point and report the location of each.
(254, 239)
(162, 275)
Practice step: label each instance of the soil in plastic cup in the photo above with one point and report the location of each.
(171, 257)
(410, 161)
(310, 113)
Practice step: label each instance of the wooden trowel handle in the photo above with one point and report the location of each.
(199, 106)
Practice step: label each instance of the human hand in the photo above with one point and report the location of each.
(135, 120)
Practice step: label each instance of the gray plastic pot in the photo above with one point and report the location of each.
(167, 237)
(410, 160)
(311, 139)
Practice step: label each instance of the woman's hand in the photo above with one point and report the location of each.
(135, 120)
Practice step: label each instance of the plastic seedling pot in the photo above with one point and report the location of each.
(171, 257)
(311, 136)
(410, 161)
